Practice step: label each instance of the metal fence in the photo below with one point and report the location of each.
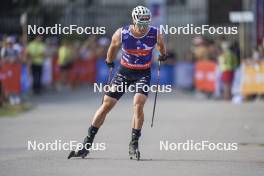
(111, 14)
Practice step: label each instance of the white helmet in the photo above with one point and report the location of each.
(141, 16)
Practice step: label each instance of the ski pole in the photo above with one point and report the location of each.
(156, 94)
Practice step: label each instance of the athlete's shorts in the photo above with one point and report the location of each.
(126, 77)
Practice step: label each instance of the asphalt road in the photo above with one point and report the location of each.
(179, 117)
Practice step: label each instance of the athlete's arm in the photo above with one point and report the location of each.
(160, 45)
(114, 46)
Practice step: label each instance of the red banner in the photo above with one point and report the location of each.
(83, 71)
(10, 77)
(205, 75)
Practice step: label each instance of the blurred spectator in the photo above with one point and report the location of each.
(213, 50)
(200, 48)
(19, 47)
(236, 50)
(189, 56)
(88, 49)
(36, 53)
(103, 44)
(260, 50)
(9, 55)
(256, 55)
(172, 57)
(65, 61)
(50, 53)
(227, 63)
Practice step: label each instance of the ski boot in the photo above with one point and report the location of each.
(84, 151)
(133, 150)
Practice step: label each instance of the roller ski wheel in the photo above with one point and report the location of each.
(133, 151)
(135, 156)
(72, 154)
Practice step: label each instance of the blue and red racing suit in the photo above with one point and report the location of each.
(135, 61)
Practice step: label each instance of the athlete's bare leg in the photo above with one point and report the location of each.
(137, 123)
(97, 121)
(138, 117)
(101, 113)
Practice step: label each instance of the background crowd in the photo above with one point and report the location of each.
(48, 63)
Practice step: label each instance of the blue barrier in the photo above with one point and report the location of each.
(25, 80)
(184, 72)
(102, 70)
(166, 74)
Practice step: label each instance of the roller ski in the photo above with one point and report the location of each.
(84, 151)
(134, 151)
(77, 154)
(87, 143)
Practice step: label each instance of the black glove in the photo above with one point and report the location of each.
(110, 65)
(163, 57)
